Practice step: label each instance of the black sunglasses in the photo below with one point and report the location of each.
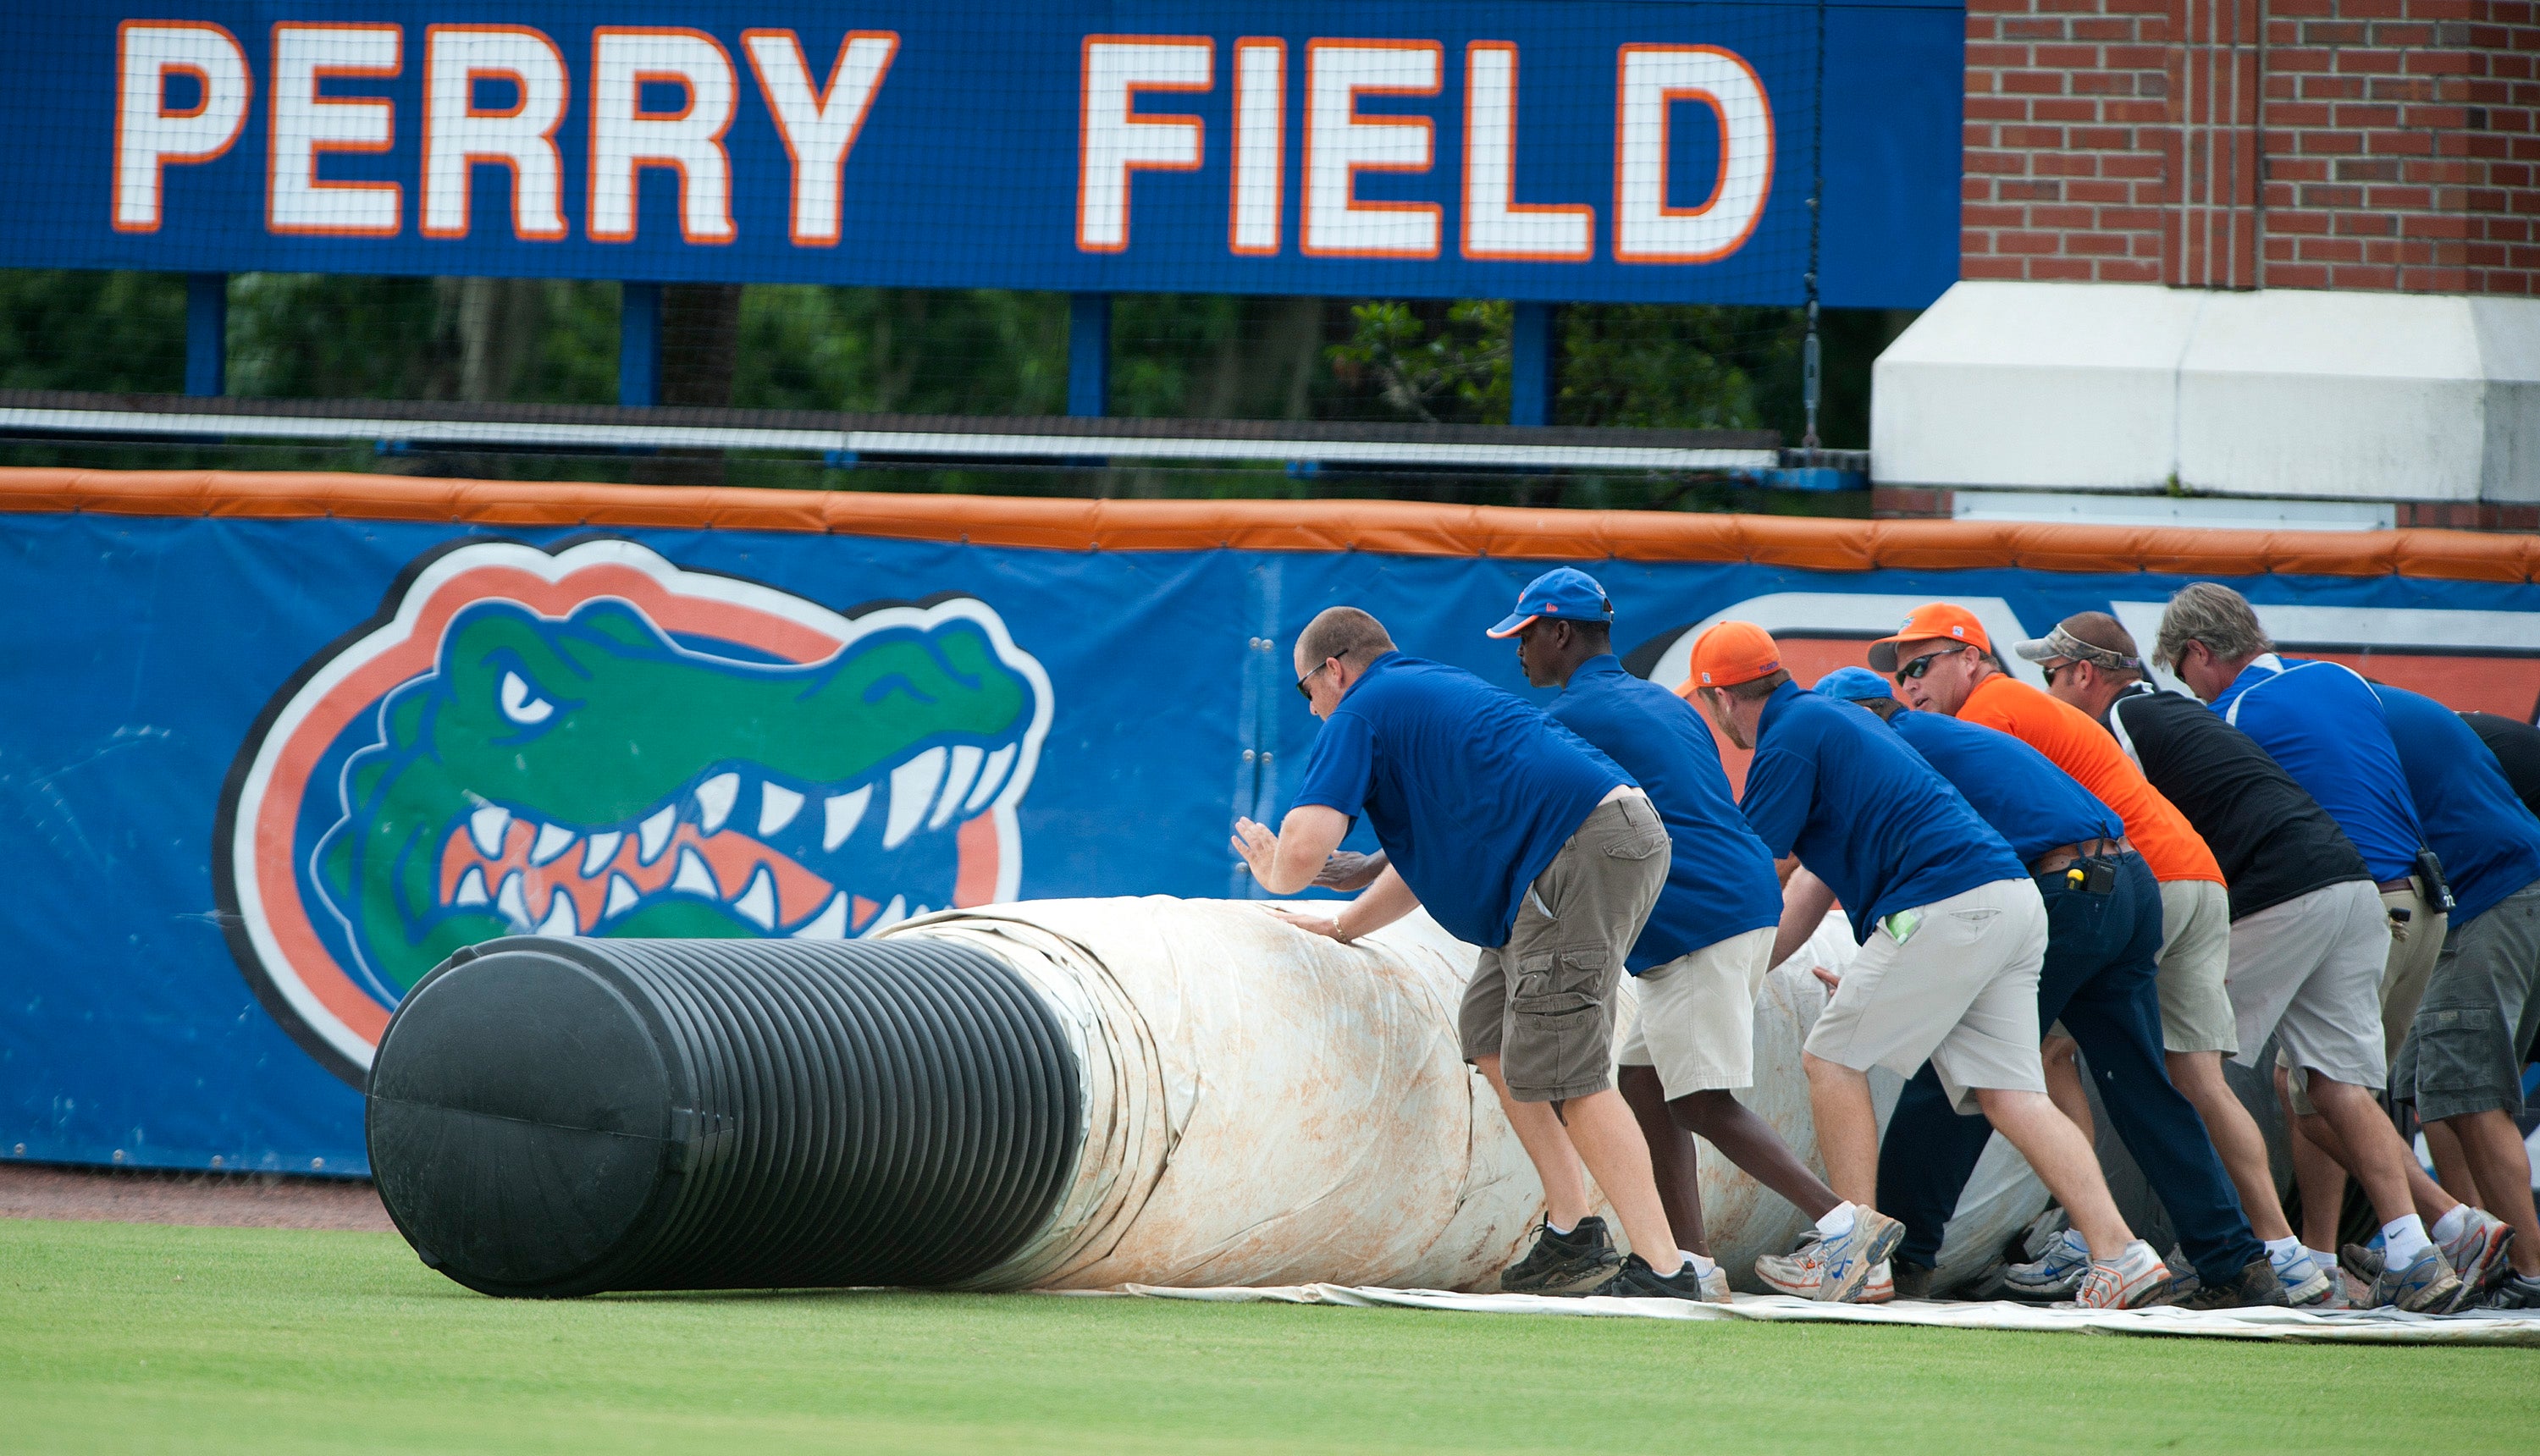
(1922, 664)
(1306, 692)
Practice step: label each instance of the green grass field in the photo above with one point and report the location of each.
(129, 1337)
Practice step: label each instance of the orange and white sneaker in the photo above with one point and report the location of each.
(1879, 1287)
(1836, 1270)
(2137, 1277)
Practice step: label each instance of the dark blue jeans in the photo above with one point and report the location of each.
(2101, 981)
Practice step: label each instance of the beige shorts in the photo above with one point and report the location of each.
(1697, 1021)
(1543, 1004)
(2195, 956)
(1961, 992)
(2416, 943)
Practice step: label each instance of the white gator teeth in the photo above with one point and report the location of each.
(562, 919)
(654, 835)
(965, 767)
(829, 924)
(758, 904)
(715, 798)
(991, 779)
(552, 841)
(510, 901)
(912, 793)
(600, 851)
(471, 888)
(891, 915)
(622, 896)
(487, 826)
(694, 878)
(777, 807)
(840, 813)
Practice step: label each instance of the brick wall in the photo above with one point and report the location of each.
(2354, 144)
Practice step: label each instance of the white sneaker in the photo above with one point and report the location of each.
(2477, 1255)
(2139, 1277)
(1835, 1271)
(2305, 1284)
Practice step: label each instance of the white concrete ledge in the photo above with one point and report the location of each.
(2285, 393)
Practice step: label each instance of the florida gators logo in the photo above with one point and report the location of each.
(596, 742)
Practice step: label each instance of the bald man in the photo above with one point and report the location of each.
(1520, 840)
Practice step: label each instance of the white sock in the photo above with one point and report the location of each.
(2282, 1251)
(1557, 1229)
(2322, 1260)
(1701, 1265)
(1836, 1224)
(2451, 1225)
(2402, 1240)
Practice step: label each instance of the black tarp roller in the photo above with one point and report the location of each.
(558, 1117)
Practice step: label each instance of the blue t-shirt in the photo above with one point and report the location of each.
(1470, 790)
(1720, 882)
(2488, 843)
(2321, 722)
(1863, 812)
(2012, 787)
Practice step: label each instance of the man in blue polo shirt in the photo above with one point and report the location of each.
(2309, 974)
(1703, 955)
(1522, 841)
(2100, 979)
(2462, 1063)
(1952, 936)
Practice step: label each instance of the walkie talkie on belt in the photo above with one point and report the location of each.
(2439, 890)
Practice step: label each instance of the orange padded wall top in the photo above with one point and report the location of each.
(1402, 528)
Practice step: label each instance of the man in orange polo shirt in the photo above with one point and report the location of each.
(1943, 661)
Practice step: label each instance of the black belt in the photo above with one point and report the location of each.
(2063, 855)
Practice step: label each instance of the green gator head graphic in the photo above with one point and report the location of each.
(598, 743)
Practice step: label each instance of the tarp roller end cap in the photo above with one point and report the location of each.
(553, 1116)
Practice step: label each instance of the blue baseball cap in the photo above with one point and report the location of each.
(1852, 684)
(1564, 592)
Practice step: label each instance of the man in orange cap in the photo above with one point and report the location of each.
(1943, 662)
(1953, 935)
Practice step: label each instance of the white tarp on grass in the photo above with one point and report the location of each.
(2362, 1326)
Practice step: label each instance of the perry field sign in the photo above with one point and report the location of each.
(1564, 151)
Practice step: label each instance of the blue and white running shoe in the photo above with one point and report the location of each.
(2056, 1277)
(2305, 1282)
(2426, 1286)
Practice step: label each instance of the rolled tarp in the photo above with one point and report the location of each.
(1052, 1094)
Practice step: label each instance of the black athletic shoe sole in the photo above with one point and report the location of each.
(1571, 1277)
(1637, 1281)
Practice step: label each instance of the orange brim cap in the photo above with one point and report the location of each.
(1731, 652)
(1931, 621)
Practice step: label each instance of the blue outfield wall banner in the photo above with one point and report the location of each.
(260, 775)
(1646, 151)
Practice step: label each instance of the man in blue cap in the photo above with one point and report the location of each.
(1701, 956)
(2100, 978)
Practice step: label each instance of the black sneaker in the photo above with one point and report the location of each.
(1913, 1280)
(1570, 1263)
(2255, 1285)
(2514, 1291)
(1637, 1281)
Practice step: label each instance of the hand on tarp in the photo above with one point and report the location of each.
(1346, 870)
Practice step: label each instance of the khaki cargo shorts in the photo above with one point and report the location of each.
(1543, 1004)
